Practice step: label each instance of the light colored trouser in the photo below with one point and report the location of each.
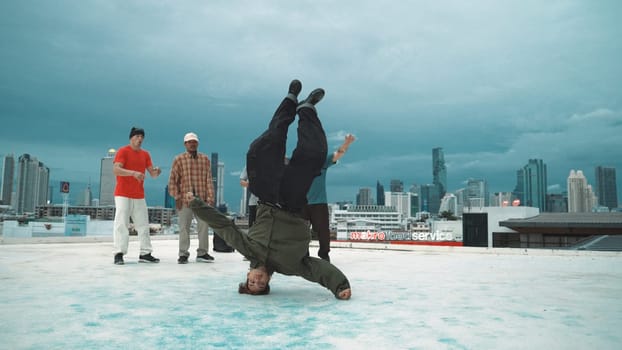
(137, 209)
(185, 216)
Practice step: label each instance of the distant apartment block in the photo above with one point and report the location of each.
(606, 187)
(33, 178)
(157, 215)
(534, 177)
(364, 197)
(373, 217)
(8, 173)
(107, 179)
(439, 171)
(581, 198)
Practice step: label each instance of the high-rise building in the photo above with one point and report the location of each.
(439, 171)
(397, 185)
(534, 184)
(33, 179)
(86, 197)
(364, 197)
(8, 172)
(556, 203)
(244, 201)
(476, 193)
(214, 166)
(107, 179)
(379, 193)
(430, 199)
(449, 203)
(415, 203)
(581, 198)
(400, 201)
(606, 188)
(518, 190)
(220, 185)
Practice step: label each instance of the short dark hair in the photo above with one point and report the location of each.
(136, 131)
(243, 289)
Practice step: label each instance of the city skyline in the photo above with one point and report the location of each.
(493, 83)
(153, 192)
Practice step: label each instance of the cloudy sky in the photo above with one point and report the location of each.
(494, 83)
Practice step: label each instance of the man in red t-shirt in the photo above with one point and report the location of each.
(129, 166)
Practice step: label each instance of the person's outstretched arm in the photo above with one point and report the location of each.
(221, 224)
(343, 148)
(328, 275)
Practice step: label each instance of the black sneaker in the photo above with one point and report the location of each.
(182, 260)
(314, 97)
(148, 258)
(295, 87)
(118, 259)
(205, 258)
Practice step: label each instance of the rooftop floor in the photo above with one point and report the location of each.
(71, 296)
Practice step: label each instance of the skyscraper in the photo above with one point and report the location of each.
(520, 184)
(379, 193)
(534, 184)
(107, 179)
(220, 185)
(86, 197)
(430, 200)
(476, 193)
(214, 166)
(606, 188)
(581, 198)
(33, 179)
(439, 171)
(401, 202)
(397, 185)
(364, 197)
(8, 172)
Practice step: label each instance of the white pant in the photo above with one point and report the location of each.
(137, 210)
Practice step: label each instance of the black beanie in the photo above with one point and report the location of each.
(137, 131)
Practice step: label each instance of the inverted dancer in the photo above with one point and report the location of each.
(279, 239)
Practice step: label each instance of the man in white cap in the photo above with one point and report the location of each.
(191, 172)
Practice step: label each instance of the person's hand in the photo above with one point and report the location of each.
(349, 139)
(155, 171)
(189, 196)
(138, 176)
(345, 294)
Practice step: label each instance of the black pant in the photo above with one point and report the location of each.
(268, 176)
(318, 216)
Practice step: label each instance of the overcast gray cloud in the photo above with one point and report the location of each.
(494, 83)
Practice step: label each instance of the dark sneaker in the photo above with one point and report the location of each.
(118, 259)
(295, 87)
(205, 258)
(314, 97)
(182, 260)
(148, 258)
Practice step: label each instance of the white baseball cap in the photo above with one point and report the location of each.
(191, 136)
